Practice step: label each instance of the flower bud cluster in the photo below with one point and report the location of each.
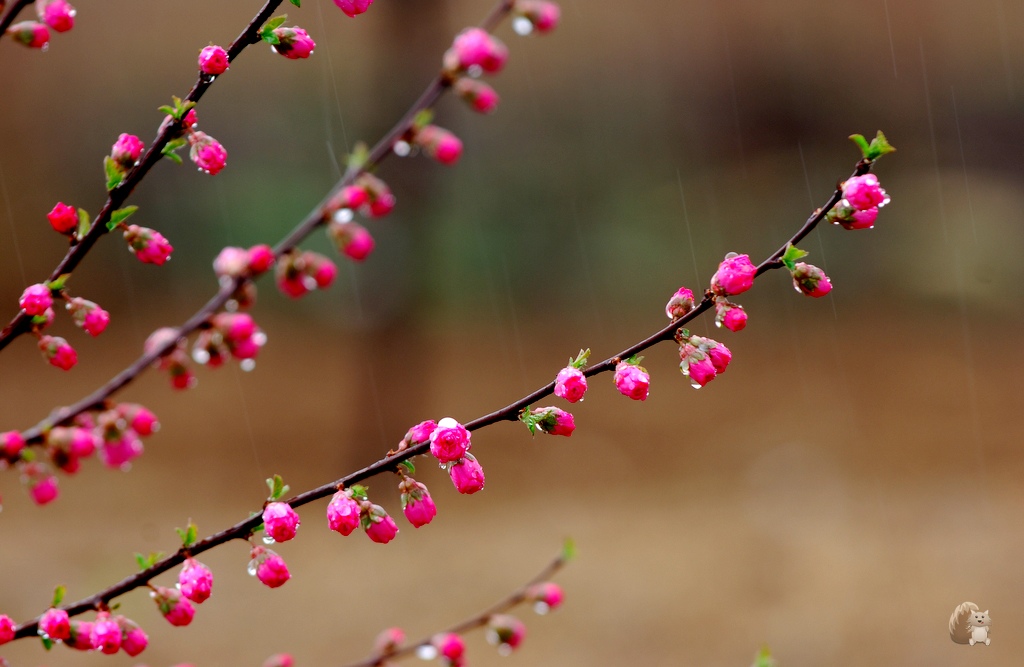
(106, 634)
(37, 302)
(858, 209)
(298, 273)
(702, 359)
(56, 15)
(450, 443)
(351, 508)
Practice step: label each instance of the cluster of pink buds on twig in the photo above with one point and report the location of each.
(37, 302)
(56, 15)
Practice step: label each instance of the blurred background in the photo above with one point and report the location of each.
(852, 478)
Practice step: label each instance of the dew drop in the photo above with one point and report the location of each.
(426, 652)
(492, 637)
(402, 148)
(522, 25)
(343, 215)
(541, 608)
(475, 71)
(718, 323)
(267, 539)
(201, 356)
(231, 306)
(309, 282)
(505, 650)
(247, 365)
(252, 567)
(695, 384)
(259, 338)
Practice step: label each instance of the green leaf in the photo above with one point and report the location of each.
(568, 550)
(634, 360)
(297, 3)
(84, 222)
(277, 488)
(409, 467)
(171, 146)
(146, 562)
(422, 119)
(58, 595)
(60, 282)
(360, 155)
(528, 418)
(270, 38)
(879, 146)
(120, 215)
(267, 31)
(188, 535)
(170, 111)
(581, 359)
(47, 643)
(791, 255)
(764, 658)
(861, 142)
(358, 491)
(115, 175)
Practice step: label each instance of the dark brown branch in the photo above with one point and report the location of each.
(510, 412)
(12, 13)
(21, 323)
(514, 599)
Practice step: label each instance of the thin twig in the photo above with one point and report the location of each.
(243, 529)
(12, 13)
(22, 322)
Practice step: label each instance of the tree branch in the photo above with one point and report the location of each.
(12, 14)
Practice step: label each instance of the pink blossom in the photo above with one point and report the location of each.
(134, 640)
(36, 299)
(81, 441)
(139, 418)
(293, 43)
(548, 594)
(58, 352)
(680, 304)
(32, 34)
(106, 634)
(439, 144)
(173, 605)
(81, 636)
(449, 441)
(417, 504)
(207, 153)
(554, 421)
(350, 197)
(127, 150)
(324, 272)
(195, 581)
(352, 239)
(353, 7)
(58, 14)
(632, 381)
(700, 369)
(505, 630)
(381, 205)
(861, 219)
(388, 641)
(735, 275)
(280, 659)
(280, 521)
(381, 200)
(381, 527)
(480, 96)
(55, 624)
(467, 475)
(720, 357)
(190, 119)
(63, 218)
(231, 261)
(117, 453)
(475, 47)
(343, 513)
(570, 384)
(213, 60)
(735, 319)
(88, 315)
(450, 646)
(44, 490)
(810, 280)
(7, 628)
(420, 433)
(261, 258)
(11, 444)
(543, 15)
(273, 571)
(148, 245)
(864, 192)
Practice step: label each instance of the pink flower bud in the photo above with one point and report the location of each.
(632, 381)
(450, 646)
(475, 47)
(139, 418)
(44, 490)
(543, 15)
(720, 357)
(88, 316)
(207, 153)
(350, 197)
(439, 144)
(449, 441)
(380, 527)
(322, 270)
(57, 14)
(261, 258)
(735, 275)
(381, 200)
(352, 239)
(680, 304)
(570, 384)
(58, 352)
(554, 421)
(173, 605)
(467, 475)
(546, 597)
(118, 452)
(506, 632)
(81, 636)
(35, 299)
(11, 444)
(734, 318)
(231, 262)
(7, 628)
(864, 192)
(213, 60)
(55, 624)
(389, 641)
(280, 521)
(419, 433)
(127, 150)
(861, 219)
(106, 634)
(477, 94)
(195, 581)
(293, 43)
(32, 34)
(343, 513)
(353, 7)
(190, 119)
(280, 659)
(148, 245)
(134, 640)
(273, 571)
(810, 280)
(417, 504)
(700, 369)
(63, 218)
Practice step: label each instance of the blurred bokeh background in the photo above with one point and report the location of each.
(852, 478)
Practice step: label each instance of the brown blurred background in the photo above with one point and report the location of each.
(852, 478)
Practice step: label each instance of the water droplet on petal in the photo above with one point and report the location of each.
(475, 71)
(343, 215)
(247, 365)
(426, 652)
(260, 338)
(505, 650)
(252, 567)
(522, 25)
(695, 384)
(231, 306)
(402, 148)
(201, 356)
(267, 539)
(541, 608)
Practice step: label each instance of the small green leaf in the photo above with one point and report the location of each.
(270, 38)
(879, 146)
(277, 488)
(861, 142)
(568, 549)
(47, 643)
(528, 418)
(187, 535)
(146, 562)
(60, 282)
(764, 658)
(634, 360)
(360, 155)
(267, 31)
(358, 491)
(170, 111)
(422, 119)
(581, 359)
(58, 595)
(791, 255)
(409, 467)
(115, 175)
(120, 215)
(297, 3)
(84, 222)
